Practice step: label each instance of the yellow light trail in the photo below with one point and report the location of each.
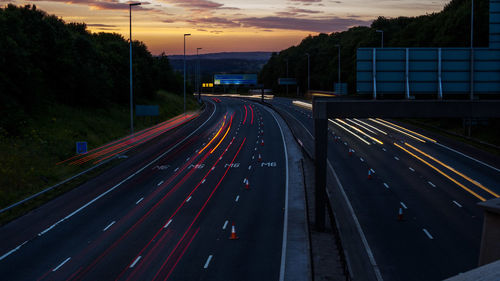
(455, 171)
(222, 126)
(402, 132)
(349, 131)
(422, 136)
(227, 131)
(442, 173)
(358, 130)
(364, 127)
(375, 128)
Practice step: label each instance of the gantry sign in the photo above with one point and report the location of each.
(325, 108)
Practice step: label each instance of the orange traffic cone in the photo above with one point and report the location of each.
(233, 233)
(260, 158)
(400, 214)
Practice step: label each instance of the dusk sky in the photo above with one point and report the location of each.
(229, 25)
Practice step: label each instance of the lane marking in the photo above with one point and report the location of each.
(135, 261)
(250, 167)
(187, 159)
(162, 181)
(203, 181)
(471, 158)
(458, 204)
(395, 157)
(237, 198)
(61, 264)
(207, 262)
(225, 224)
(177, 169)
(403, 204)
(373, 171)
(109, 225)
(285, 215)
(168, 223)
(428, 234)
(139, 201)
(368, 250)
(13, 250)
(431, 184)
(411, 169)
(384, 149)
(189, 198)
(361, 158)
(386, 185)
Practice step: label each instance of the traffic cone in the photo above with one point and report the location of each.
(247, 183)
(369, 174)
(260, 158)
(262, 143)
(350, 152)
(233, 233)
(400, 214)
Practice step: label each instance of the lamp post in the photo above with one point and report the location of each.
(308, 72)
(186, 34)
(338, 81)
(381, 31)
(131, 88)
(199, 75)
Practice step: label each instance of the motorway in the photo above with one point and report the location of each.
(435, 186)
(168, 211)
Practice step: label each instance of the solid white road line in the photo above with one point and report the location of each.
(431, 184)
(168, 223)
(135, 261)
(285, 215)
(225, 224)
(411, 169)
(237, 198)
(61, 264)
(139, 201)
(458, 204)
(403, 204)
(127, 178)
(471, 158)
(207, 262)
(13, 250)
(159, 183)
(109, 225)
(386, 185)
(368, 250)
(428, 234)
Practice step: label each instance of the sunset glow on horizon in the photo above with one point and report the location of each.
(228, 25)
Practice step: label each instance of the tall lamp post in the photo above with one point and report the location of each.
(198, 83)
(308, 72)
(381, 31)
(131, 88)
(338, 81)
(186, 34)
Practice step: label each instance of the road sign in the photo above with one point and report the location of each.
(235, 79)
(287, 81)
(207, 85)
(81, 147)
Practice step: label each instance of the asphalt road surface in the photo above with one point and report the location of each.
(167, 213)
(435, 186)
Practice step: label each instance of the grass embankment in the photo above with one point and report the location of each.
(48, 136)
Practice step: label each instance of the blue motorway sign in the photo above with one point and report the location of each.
(235, 79)
(287, 81)
(81, 147)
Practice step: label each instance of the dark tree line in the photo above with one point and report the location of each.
(448, 28)
(45, 60)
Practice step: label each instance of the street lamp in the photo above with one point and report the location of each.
(308, 72)
(199, 75)
(338, 81)
(381, 31)
(186, 34)
(131, 91)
